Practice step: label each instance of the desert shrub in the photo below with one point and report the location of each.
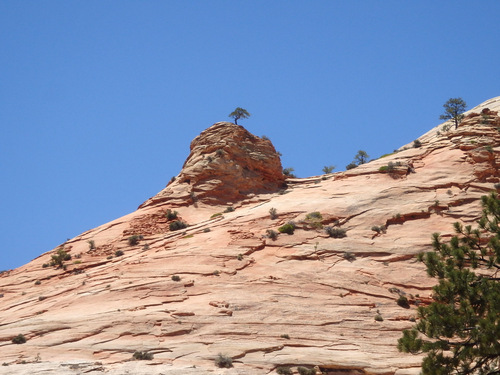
(176, 278)
(134, 240)
(272, 234)
(351, 166)
(306, 371)
(216, 215)
(219, 152)
(349, 256)
(284, 370)
(328, 169)
(206, 230)
(335, 232)
(288, 172)
(288, 228)
(118, 253)
(109, 257)
(171, 215)
(223, 361)
(19, 339)
(379, 318)
(91, 244)
(417, 143)
(229, 209)
(142, 356)
(240, 257)
(59, 258)
(403, 302)
(38, 282)
(176, 225)
(285, 336)
(274, 213)
(379, 229)
(316, 215)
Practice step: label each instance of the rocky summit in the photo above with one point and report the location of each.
(200, 277)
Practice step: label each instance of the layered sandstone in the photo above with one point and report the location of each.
(305, 299)
(226, 164)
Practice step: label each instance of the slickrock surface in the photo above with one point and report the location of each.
(305, 299)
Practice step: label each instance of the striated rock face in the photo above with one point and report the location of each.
(226, 165)
(223, 285)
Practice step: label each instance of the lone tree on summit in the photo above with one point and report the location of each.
(453, 110)
(239, 113)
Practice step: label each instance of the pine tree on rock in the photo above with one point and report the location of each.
(453, 110)
(239, 113)
(462, 325)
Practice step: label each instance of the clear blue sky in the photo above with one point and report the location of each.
(99, 100)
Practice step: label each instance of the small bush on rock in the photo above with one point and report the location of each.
(272, 234)
(171, 215)
(142, 356)
(335, 232)
(177, 225)
(223, 361)
(19, 339)
(288, 228)
(306, 371)
(134, 240)
(284, 370)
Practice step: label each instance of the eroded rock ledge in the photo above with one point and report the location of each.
(226, 164)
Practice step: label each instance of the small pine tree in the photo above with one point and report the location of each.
(239, 113)
(463, 323)
(453, 110)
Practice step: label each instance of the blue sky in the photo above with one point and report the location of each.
(99, 100)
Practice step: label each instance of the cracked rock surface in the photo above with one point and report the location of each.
(222, 285)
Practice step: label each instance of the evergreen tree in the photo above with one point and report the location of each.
(462, 325)
(453, 110)
(239, 113)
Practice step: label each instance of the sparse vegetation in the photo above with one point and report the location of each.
(59, 258)
(306, 371)
(379, 229)
(403, 302)
(288, 228)
(284, 370)
(378, 318)
(216, 215)
(38, 282)
(417, 143)
(91, 244)
(285, 336)
(229, 209)
(118, 253)
(272, 234)
(171, 215)
(176, 278)
(328, 169)
(142, 356)
(223, 361)
(335, 232)
(313, 219)
(273, 212)
(349, 256)
(134, 240)
(288, 172)
(19, 339)
(177, 225)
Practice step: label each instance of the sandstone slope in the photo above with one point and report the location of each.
(221, 285)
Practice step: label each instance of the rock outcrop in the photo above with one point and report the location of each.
(226, 284)
(226, 164)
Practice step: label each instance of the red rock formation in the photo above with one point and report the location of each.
(226, 165)
(222, 285)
